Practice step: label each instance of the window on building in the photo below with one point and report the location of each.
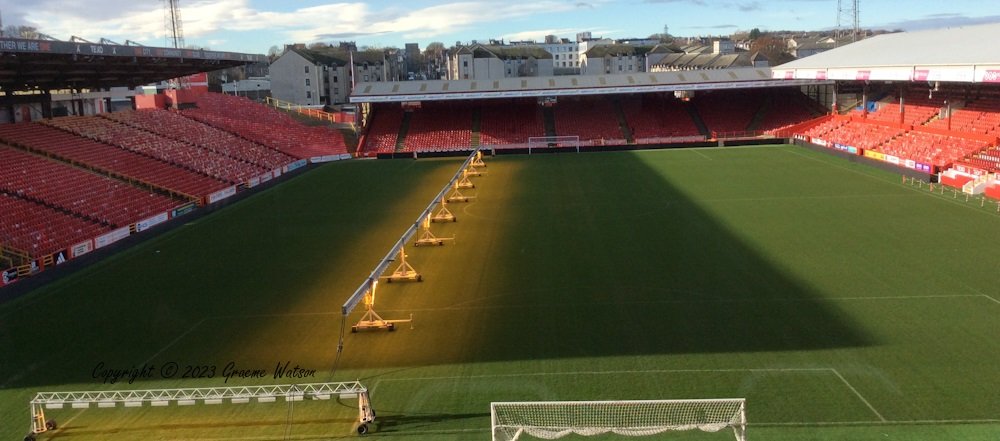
(307, 82)
(465, 63)
(309, 94)
(307, 69)
(366, 77)
(619, 68)
(334, 78)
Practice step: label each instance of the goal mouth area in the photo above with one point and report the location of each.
(556, 419)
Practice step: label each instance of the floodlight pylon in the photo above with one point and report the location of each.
(404, 272)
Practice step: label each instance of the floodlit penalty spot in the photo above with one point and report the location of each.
(371, 319)
(427, 237)
(444, 214)
(405, 271)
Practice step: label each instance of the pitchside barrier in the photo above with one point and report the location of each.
(368, 285)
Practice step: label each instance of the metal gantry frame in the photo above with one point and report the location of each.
(192, 396)
(475, 159)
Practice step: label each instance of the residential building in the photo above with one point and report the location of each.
(480, 62)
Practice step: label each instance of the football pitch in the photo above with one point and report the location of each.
(841, 303)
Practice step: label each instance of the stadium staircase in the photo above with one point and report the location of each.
(698, 122)
(404, 126)
(622, 122)
(549, 119)
(477, 123)
(758, 118)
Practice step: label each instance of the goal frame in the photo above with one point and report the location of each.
(737, 421)
(554, 142)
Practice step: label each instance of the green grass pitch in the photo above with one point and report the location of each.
(841, 303)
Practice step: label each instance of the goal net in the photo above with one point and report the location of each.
(553, 142)
(555, 419)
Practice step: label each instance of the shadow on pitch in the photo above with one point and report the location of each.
(595, 255)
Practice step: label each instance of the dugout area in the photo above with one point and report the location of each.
(815, 287)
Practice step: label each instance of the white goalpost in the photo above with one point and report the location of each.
(556, 419)
(568, 141)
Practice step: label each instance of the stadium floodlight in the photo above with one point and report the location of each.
(427, 237)
(371, 319)
(443, 214)
(556, 419)
(191, 396)
(404, 272)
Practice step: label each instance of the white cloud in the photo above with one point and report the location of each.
(203, 18)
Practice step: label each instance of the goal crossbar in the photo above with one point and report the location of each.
(555, 419)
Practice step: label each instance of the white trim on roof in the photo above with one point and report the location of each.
(639, 82)
(950, 55)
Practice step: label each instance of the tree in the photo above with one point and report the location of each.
(754, 34)
(775, 49)
(434, 50)
(22, 31)
(273, 53)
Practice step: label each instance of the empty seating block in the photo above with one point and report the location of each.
(383, 129)
(40, 230)
(590, 118)
(439, 126)
(510, 123)
(651, 116)
(728, 112)
(204, 161)
(113, 160)
(267, 126)
(74, 190)
(175, 126)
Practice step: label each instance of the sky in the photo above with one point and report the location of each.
(254, 26)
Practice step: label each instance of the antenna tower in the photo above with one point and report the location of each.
(172, 23)
(847, 18)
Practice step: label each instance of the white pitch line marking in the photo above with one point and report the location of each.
(702, 154)
(174, 341)
(617, 372)
(858, 394)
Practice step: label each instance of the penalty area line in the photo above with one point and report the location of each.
(858, 394)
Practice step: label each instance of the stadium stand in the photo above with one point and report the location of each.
(981, 116)
(784, 108)
(439, 127)
(510, 123)
(39, 230)
(109, 159)
(74, 190)
(654, 118)
(383, 129)
(590, 118)
(854, 133)
(201, 160)
(919, 109)
(267, 126)
(174, 126)
(728, 113)
(939, 150)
